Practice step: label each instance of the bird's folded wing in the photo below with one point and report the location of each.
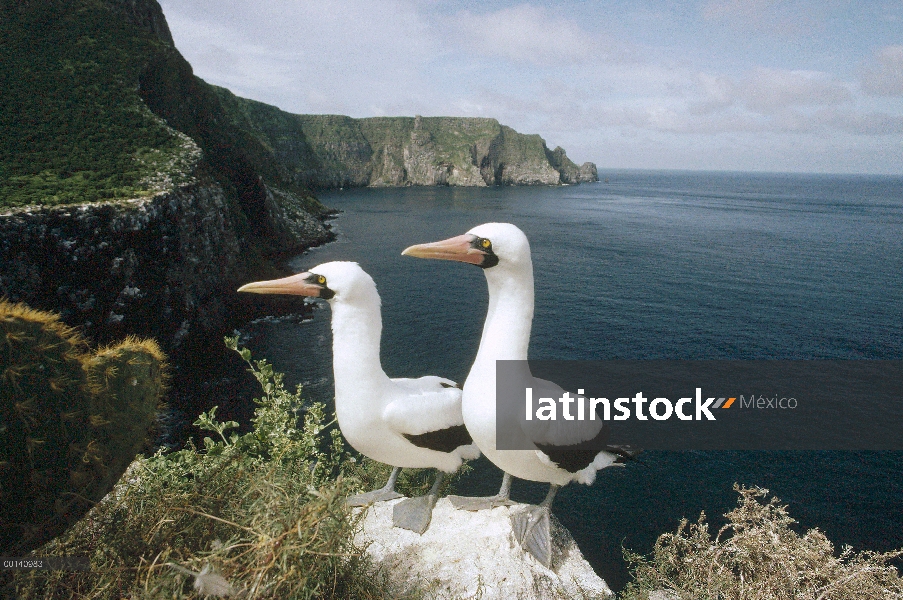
(418, 409)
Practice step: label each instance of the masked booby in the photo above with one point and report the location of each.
(406, 423)
(559, 456)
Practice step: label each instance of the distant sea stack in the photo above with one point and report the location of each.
(334, 151)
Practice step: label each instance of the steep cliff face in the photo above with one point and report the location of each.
(330, 151)
(165, 266)
(570, 172)
(140, 206)
(144, 14)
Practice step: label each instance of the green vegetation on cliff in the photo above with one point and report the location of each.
(72, 125)
(330, 151)
(96, 103)
(261, 514)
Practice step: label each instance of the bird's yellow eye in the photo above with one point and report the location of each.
(321, 280)
(485, 243)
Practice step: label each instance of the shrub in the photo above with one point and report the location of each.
(261, 515)
(756, 555)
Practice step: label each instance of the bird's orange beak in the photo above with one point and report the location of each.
(458, 248)
(296, 285)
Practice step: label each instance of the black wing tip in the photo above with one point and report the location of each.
(442, 440)
(450, 385)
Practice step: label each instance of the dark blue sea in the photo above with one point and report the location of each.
(647, 265)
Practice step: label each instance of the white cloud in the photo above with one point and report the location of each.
(718, 92)
(765, 102)
(861, 123)
(884, 76)
(787, 18)
(769, 90)
(735, 9)
(530, 34)
(304, 56)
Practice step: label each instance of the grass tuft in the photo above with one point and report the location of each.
(258, 515)
(757, 556)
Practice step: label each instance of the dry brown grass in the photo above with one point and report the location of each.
(757, 556)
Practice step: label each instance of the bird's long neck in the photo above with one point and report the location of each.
(506, 332)
(356, 330)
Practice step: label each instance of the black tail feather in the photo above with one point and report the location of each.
(625, 453)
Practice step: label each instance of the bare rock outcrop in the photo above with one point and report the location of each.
(474, 555)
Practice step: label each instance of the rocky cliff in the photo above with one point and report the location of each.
(330, 151)
(165, 266)
(140, 207)
(486, 562)
(135, 198)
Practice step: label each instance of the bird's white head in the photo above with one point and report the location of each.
(336, 281)
(501, 246)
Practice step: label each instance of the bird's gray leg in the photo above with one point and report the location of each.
(550, 496)
(503, 498)
(387, 492)
(393, 477)
(505, 490)
(415, 514)
(532, 528)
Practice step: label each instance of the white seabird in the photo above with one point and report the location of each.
(406, 423)
(560, 455)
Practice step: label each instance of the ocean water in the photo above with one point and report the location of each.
(643, 265)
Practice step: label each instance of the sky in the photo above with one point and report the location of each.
(738, 85)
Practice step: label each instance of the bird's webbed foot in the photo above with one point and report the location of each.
(415, 514)
(383, 494)
(368, 498)
(503, 498)
(532, 528)
(479, 503)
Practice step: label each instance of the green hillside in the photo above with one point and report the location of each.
(73, 127)
(96, 103)
(332, 151)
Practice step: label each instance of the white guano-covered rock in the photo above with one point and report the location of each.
(474, 555)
